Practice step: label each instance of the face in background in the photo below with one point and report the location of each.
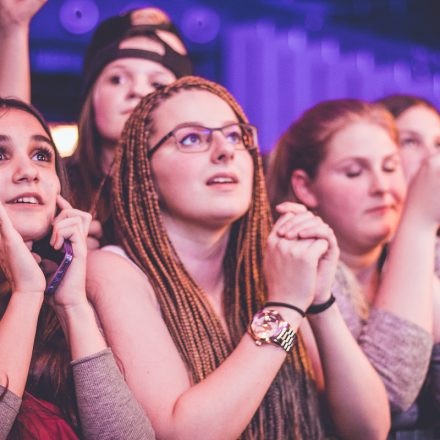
(29, 183)
(122, 84)
(211, 188)
(359, 188)
(419, 137)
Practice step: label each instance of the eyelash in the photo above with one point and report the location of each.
(47, 152)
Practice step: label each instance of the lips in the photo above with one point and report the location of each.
(26, 199)
(222, 179)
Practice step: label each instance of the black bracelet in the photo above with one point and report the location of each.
(318, 308)
(289, 306)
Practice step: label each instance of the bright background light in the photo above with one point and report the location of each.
(65, 136)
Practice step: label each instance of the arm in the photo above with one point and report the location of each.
(102, 395)
(9, 407)
(154, 370)
(19, 322)
(404, 304)
(15, 16)
(343, 371)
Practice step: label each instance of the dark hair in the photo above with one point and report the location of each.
(50, 375)
(290, 408)
(397, 104)
(303, 146)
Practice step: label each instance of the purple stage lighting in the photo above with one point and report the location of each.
(79, 16)
(201, 24)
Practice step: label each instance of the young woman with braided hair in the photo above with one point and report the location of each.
(198, 265)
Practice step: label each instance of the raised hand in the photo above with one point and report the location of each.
(18, 12)
(71, 224)
(291, 260)
(18, 264)
(311, 227)
(423, 190)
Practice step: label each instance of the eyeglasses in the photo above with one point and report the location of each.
(191, 138)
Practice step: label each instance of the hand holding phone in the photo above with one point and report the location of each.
(62, 258)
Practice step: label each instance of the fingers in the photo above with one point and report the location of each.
(294, 208)
(5, 222)
(68, 229)
(68, 212)
(63, 203)
(95, 229)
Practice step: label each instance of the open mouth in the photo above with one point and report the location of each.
(25, 200)
(221, 180)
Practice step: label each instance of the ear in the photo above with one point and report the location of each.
(302, 188)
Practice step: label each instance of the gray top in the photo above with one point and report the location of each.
(398, 349)
(107, 409)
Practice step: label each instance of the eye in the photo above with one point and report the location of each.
(391, 165)
(3, 155)
(191, 139)
(234, 136)
(117, 79)
(353, 171)
(43, 155)
(157, 85)
(410, 142)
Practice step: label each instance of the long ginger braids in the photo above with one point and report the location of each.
(289, 409)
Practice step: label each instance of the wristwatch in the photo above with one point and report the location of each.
(268, 327)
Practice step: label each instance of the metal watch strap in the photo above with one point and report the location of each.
(286, 339)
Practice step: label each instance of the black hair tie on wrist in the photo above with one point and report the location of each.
(289, 306)
(318, 308)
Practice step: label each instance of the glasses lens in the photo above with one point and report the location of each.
(192, 138)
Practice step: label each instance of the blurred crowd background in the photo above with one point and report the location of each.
(278, 57)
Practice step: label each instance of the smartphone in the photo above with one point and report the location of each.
(62, 258)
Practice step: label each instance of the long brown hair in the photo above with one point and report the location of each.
(303, 146)
(50, 375)
(289, 409)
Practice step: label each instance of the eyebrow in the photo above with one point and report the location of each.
(201, 124)
(41, 138)
(35, 137)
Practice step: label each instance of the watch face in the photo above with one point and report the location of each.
(267, 325)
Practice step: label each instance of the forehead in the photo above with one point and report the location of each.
(12, 119)
(360, 139)
(194, 106)
(419, 117)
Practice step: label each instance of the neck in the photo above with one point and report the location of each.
(202, 252)
(364, 266)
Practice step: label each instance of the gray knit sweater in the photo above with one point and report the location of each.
(401, 352)
(107, 408)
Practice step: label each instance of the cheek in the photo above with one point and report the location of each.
(411, 161)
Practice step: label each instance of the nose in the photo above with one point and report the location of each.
(25, 170)
(222, 151)
(379, 182)
(139, 87)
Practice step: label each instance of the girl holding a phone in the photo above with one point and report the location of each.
(58, 378)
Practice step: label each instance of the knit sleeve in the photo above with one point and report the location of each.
(9, 407)
(401, 352)
(106, 407)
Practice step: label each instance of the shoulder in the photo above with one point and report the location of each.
(112, 277)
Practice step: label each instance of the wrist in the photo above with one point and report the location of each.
(68, 312)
